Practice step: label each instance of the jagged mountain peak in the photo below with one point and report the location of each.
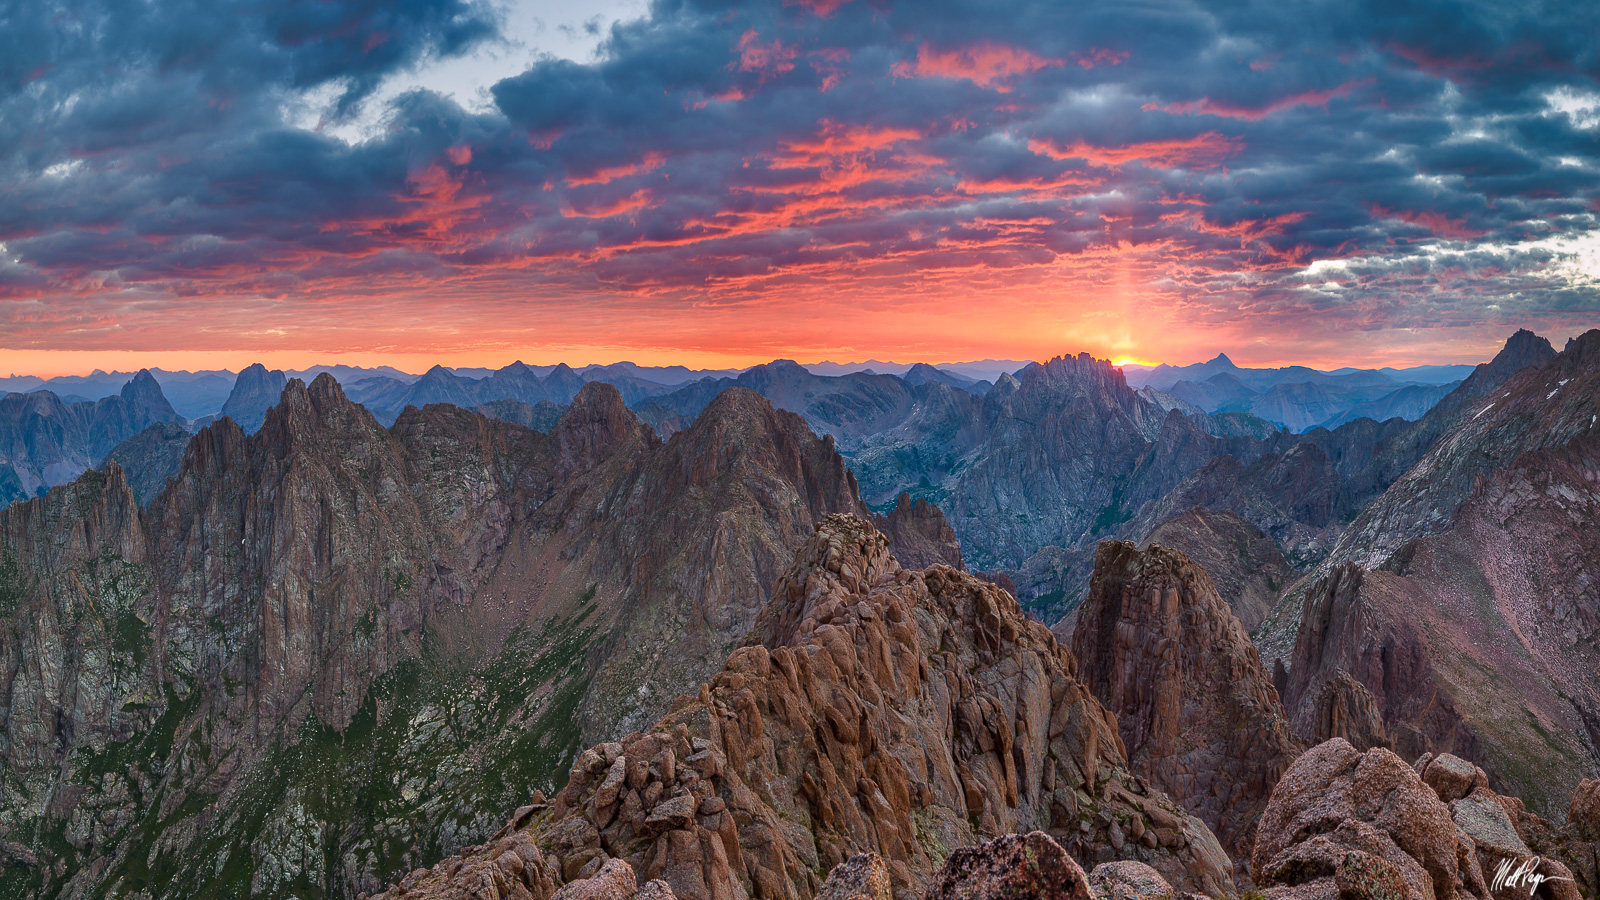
(845, 731)
(255, 390)
(144, 393)
(594, 427)
(1196, 710)
(738, 402)
(1083, 372)
(318, 413)
(1522, 350)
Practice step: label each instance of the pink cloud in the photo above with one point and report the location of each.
(766, 60)
(1201, 151)
(1231, 110)
(988, 64)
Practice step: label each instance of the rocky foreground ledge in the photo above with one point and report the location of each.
(899, 735)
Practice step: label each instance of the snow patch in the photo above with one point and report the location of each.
(1484, 410)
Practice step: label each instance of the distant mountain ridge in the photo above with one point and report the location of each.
(199, 396)
(45, 441)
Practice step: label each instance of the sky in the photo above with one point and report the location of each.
(201, 184)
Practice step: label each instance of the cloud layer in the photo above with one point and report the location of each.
(939, 179)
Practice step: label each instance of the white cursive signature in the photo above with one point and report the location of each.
(1525, 874)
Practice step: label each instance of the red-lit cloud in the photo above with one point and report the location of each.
(987, 63)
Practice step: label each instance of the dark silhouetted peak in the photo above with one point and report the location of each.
(1585, 346)
(438, 372)
(561, 369)
(254, 392)
(325, 390)
(1522, 350)
(596, 424)
(1083, 368)
(1223, 360)
(145, 396)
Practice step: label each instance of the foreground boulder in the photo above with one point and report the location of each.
(1504, 837)
(876, 710)
(1011, 868)
(1343, 822)
(1366, 826)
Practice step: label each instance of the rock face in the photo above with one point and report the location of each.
(45, 442)
(1244, 563)
(905, 714)
(1463, 601)
(1348, 824)
(329, 651)
(919, 534)
(1196, 711)
(255, 391)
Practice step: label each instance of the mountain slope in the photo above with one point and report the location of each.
(1464, 599)
(254, 392)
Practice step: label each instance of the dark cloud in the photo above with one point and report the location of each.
(1375, 162)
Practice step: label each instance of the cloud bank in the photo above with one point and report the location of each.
(1320, 180)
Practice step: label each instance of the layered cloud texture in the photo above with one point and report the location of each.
(1344, 180)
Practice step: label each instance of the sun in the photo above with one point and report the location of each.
(1121, 361)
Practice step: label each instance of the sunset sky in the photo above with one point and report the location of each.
(204, 183)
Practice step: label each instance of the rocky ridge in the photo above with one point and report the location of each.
(328, 651)
(905, 714)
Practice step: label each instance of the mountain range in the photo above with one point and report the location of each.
(726, 635)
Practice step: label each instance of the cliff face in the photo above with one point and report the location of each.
(330, 651)
(901, 713)
(1196, 711)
